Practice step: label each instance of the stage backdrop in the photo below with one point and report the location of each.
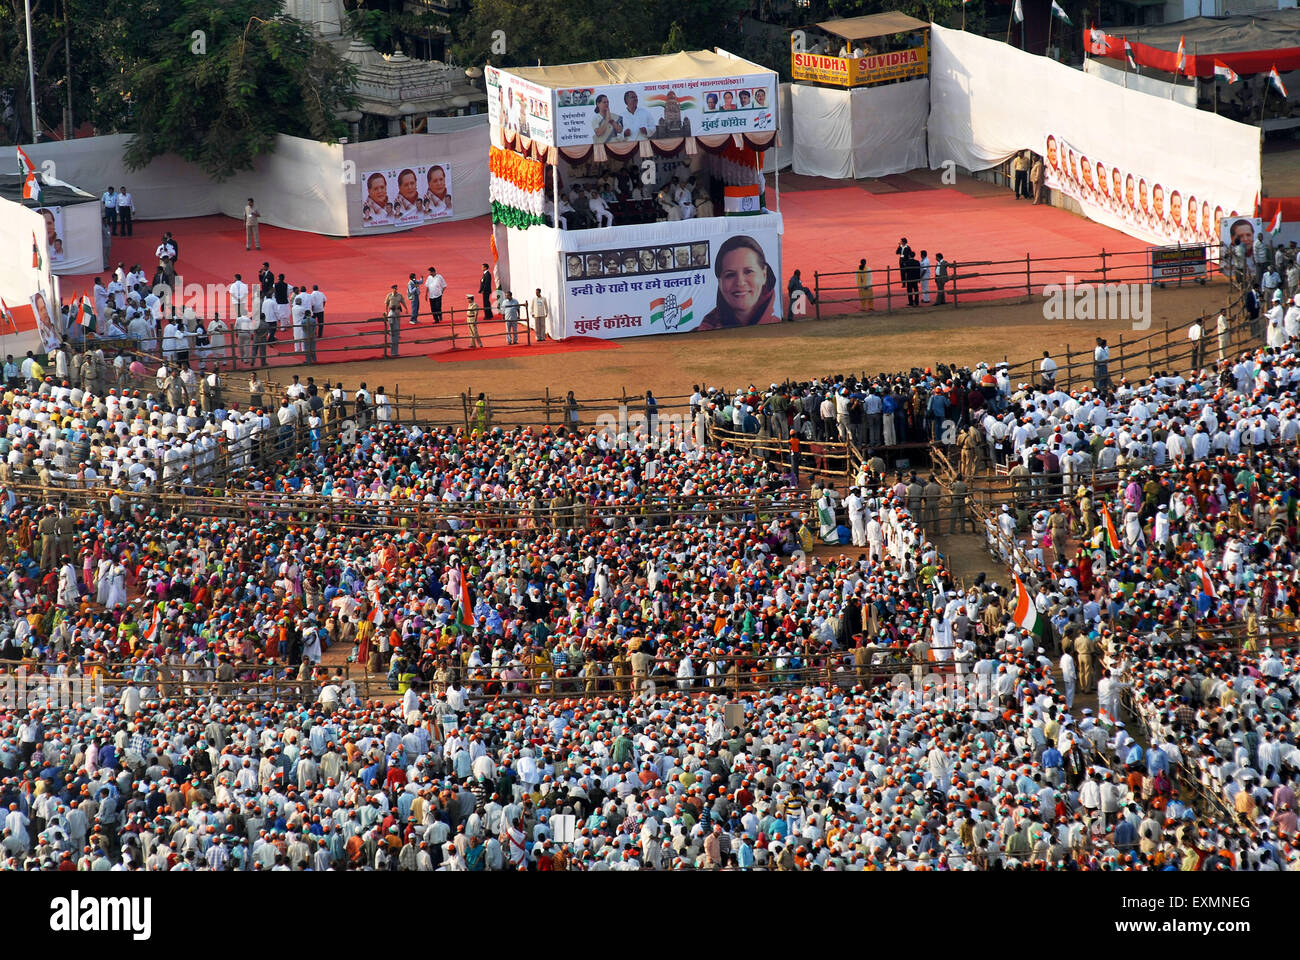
(988, 100)
(860, 132)
(671, 277)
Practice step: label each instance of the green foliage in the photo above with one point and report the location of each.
(220, 105)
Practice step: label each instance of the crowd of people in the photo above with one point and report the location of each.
(605, 650)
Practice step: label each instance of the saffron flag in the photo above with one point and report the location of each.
(1276, 225)
(25, 165)
(1221, 69)
(1018, 12)
(1182, 54)
(1026, 615)
(151, 634)
(36, 253)
(1277, 81)
(1059, 12)
(1112, 539)
(466, 604)
(32, 189)
(1128, 52)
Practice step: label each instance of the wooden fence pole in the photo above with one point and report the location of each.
(889, 289)
(1029, 282)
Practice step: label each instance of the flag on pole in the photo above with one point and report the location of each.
(1059, 12)
(1277, 81)
(151, 634)
(25, 165)
(1018, 12)
(1112, 538)
(86, 315)
(1026, 615)
(1098, 38)
(36, 253)
(1221, 69)
(1128, 52)
(1182, 53)
(1276, 225)
(1207, 585)
(7, 316)
(32, 188)
(465, 617)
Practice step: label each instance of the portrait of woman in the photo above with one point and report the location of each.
(605, 125)
(52, 238)
(436, 201)
(746, 286)
(376, 208)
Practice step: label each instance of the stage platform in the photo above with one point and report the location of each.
(829, 226)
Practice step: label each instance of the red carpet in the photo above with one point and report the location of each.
(829, 226)
(571, 345)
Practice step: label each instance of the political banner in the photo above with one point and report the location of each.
(708, 283)
(1151, 205)
(1246, 229)
(54, 235)
(406, 196)
(1178, 263)
(520, 107)
(665, 110)
(861, 71)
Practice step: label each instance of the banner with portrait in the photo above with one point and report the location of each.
(666, 109)
(1246, 229)
(406, 196)
(520, 107)
(673, 278)
(54, 235)
(1169, 173)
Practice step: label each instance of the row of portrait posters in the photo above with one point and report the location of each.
(1139, 202)
(403, 196)
(705, 284)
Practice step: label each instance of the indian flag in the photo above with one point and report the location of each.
(1026, 615)
(36, 253)
(86, 314)
(745, 201)
(25, 165)
(1207, 585)
(1128, 52)
(1277, 81)
(32, 189)
(7, 316)
(1221, 69)
(1182, 53)
(1112, 538)
(465, 617)
(151, 634)
(1018, 12)
(1276, 224)
(1059, 12)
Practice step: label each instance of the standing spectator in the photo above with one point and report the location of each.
(413, 295)
(239, 296)
(510, 310)
(110, 209)
(1020, 167)
(911, 276)
(1101, 366)
(940, 278)
(282, 312)
(539, 312)
(485, 289)
(1036, 177)
(865, 295)
(245, 331)
(1048, 370)
(925, 276)
(1194, 335)
(125, 210)
(434, 287)
(318, 310)
(471, 319)
(394, 304)
(251, 217)
(1221, 328)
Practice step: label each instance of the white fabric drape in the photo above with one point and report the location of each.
(889, 127)
(822, 127)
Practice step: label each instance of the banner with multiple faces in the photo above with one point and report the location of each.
(406, 195)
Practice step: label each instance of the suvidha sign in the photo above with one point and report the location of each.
(861, 71)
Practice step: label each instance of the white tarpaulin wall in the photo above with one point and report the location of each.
(783, 155)
(302, 186)
(988, 100)
(1184, 93)
(822, 127)
(888, 124)
(529, 263)
(20, 282)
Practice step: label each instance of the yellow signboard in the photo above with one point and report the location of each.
(861, 71)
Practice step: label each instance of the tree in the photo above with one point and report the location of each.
(215, 83)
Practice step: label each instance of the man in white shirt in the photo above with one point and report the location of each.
(317, 304)
(251, 218)
(1194, 335)
(1048, 370)
(239, 296)
(637, 122)
(125, 210)
(434, 287)
(110, 209)
(538, 311)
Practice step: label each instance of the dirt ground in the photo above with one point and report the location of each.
(808, 348)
